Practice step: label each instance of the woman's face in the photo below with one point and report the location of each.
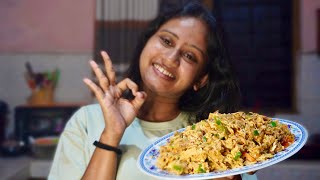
(174, 57)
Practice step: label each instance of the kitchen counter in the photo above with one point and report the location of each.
(23, 167)
(15, 167)
(291, 169)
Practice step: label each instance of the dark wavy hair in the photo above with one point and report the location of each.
(221, 91)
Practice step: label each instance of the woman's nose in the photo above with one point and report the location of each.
(172, 57)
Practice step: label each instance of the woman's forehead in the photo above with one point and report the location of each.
(186, 22)
(191, 30)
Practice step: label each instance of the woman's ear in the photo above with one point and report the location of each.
(201, 82)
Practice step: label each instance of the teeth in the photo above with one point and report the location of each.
(163, 71)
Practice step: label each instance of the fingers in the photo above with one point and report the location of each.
(103, 80)
(128, 84)
(114, 91)
(139, 96)
(94, 88)
(109, 69)
(108, 88)
(138, 100)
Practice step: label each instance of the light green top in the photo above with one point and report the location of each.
(76, 147)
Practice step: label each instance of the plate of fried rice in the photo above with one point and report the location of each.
(223, 145)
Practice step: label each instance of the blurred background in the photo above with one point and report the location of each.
(45, 47)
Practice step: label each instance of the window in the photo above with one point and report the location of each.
(259, 37)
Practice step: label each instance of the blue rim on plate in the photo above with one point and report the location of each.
(147, 158)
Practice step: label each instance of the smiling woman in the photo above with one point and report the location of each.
(172, 57)
(178, 75)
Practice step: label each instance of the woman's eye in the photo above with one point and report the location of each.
(166, 41)
(189, 56)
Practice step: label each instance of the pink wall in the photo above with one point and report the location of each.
(46, 26)
(308, 25)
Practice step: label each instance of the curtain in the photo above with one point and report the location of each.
(118, 26)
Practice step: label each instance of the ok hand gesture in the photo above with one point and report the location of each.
(118, 112)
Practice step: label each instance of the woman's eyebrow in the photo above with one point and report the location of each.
(194, 46)
(175, 35)
(164, 30)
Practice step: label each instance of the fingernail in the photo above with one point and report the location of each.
(139, 94)
(105, 54)
(86, 80)
(142, 95)
(92, 62)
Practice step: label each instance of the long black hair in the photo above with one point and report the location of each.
(221, 91)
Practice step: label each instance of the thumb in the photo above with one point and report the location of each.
(139, 100)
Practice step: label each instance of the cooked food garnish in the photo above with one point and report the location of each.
(224, 141)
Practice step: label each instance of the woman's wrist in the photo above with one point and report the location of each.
(110, 139)
(107, 147)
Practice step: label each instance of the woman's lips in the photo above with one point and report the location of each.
(162, 71)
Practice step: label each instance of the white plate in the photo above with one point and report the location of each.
(148, 157)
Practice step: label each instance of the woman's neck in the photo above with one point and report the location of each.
(158, 110)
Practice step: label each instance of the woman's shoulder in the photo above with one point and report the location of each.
(91, 108)
(88, 115)
(88, 110)
(91, 111)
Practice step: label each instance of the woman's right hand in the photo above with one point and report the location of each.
(118, 112)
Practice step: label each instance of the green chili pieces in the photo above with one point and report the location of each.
(237, 156)
(200, 169)
(273, 124)
(218, 121)
(204, 139)
(177, 167)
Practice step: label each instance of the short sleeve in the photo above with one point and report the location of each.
(70, 158)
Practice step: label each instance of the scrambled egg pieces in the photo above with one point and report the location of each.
(224, 141)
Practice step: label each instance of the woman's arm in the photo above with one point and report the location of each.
(103, 163)
(118, 114)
